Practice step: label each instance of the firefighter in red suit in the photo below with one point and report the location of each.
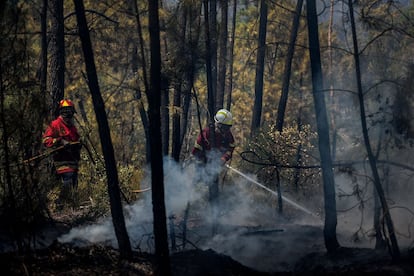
(206, 147)
(62, 133)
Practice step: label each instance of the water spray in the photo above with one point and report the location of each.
(291, 202)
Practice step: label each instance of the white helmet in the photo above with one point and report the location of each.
(223, 116)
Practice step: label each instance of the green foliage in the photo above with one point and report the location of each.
(270, 150)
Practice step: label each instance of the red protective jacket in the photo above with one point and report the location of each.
(66, 159)
(224, 143)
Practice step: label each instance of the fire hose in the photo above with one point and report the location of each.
(291, 202)
(42, 155)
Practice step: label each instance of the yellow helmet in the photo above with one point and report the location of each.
(66, 103)
(223, 116)
(66, 107)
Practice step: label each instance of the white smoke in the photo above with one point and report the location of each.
(183, 185)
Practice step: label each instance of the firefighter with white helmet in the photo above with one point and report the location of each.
(224, 117)
(218, 138)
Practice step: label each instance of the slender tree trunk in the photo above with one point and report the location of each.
(176, 114)
(12, 215)
(330, 74)
(193, 36)
(157, 171)
(141, 107)
(231, 56)
(288, 67)
(104, 134)
(298, 158)
(395, 251)
(331, 241)
(286, 80)
(260, 58)
(57, 56)
(212, 22)
(165, 99)
(165, 116)
(223, 54)
(209, 70)
(43, 66)
(176, 127)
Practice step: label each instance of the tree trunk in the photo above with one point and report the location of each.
(176, 124)
(223, 54)
(165, 116)
(395, 251)
(209, 71)
(231, 57)
(141, 107)
(298, 158)
(165, 99)
(57, 56)
(285, 84)
(8, 187)
(331, 241)
(330, 76)
(212, 22)
(157, 171)
(43, 65)
(104, 134)
(258, 85)
(288, 66)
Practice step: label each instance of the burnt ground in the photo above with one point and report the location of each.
(287, 249)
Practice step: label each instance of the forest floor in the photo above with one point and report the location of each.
(287, 248)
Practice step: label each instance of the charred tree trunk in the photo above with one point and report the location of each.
(331, 241)
(165, 116)
(394, 250)
(8, 187)
(221, 79)
(165, 98)
(141, 107)
(330, 78)
(104, 134)
(176, 124)
(157, 171)
(211, 86)
(43, 65)
(260, 58)
(298, 158)
(212, 22)
(288, 67)
(57, 56)
(286, 80)
(209, 70)
(231, 57)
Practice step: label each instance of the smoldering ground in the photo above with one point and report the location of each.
(247, 227)
(242, 211)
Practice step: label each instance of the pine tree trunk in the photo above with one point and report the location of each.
(43, 65)
(221, 79)
(288, 66)
(104, 134)
(157, 171)
(209, 71)
(331, 241)
(57, 56)
(260, 58)
(395, 251)
(231, 58)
